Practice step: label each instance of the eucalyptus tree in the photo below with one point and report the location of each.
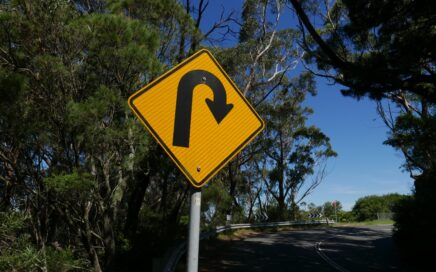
(262, 64)
(259, 63)
(295, 154)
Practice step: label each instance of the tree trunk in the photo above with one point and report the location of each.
(294, 208)
(87, 240)
(108, 238)
(282, 209)
(173, 219)
(142, 180)
(232, 189)
(281, 198)
(108, 218)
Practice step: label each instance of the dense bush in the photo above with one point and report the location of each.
(414, 222)
(346, 216)
(366, 208)
(18, 252)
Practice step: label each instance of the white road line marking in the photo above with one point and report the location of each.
(326, 258)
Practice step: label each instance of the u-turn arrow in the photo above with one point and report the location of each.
(185, 89)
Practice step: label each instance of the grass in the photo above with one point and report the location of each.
(366, 223)
(240, 234)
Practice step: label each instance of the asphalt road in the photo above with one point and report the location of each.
(368, 248)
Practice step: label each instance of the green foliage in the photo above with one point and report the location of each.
(414, 136)
(25, 257)
(123, 243)
(327, 210)
(273, 169)
(78, 169)
(276, 213)
(346, 216)
(63, 260)
(378, 48)
(294, 150)
(216, 203)
(250, 15)
(18, 253)
(366, 208)
(331, 211)
(75, 182)
(168, 18)
(68, 134)
(11, 223)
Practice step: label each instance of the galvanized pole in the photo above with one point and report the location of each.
(194, 231)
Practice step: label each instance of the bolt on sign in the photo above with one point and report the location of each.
(198, 115)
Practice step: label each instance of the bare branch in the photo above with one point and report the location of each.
(325, 48)
(263, 48)
(316, 181)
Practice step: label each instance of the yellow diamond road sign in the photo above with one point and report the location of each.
(198, 115)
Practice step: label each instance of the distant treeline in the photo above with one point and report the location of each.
(366, 208)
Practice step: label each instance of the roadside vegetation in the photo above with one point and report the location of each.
(371, 207)
(366, 210)
(83, 186)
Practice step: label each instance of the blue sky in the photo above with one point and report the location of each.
(364, 165)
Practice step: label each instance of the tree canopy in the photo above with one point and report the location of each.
(375, 48)
(82, 185)
(366, 208)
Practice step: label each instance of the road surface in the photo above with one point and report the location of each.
(368, 248)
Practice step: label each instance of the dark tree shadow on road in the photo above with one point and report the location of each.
(353, 248)
(278, 252)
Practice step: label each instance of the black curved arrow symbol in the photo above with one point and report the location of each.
(185, 89)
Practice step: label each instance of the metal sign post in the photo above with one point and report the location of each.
(194, 230)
